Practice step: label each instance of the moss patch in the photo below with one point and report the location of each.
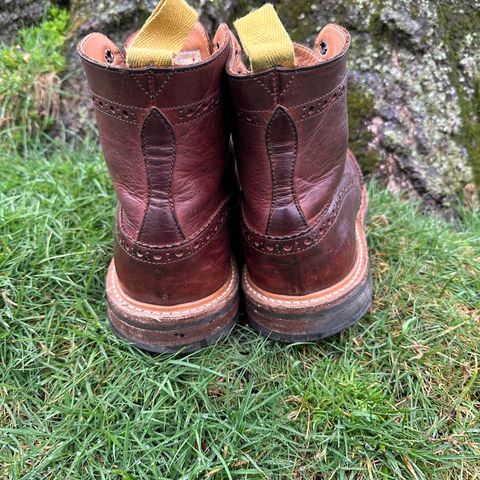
(29, 82)
(361, 111)
(297, 17)
(453, 24)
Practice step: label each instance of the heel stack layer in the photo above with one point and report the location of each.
(167, 329)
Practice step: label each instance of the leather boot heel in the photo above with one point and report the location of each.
(185, 327)
(319, 314)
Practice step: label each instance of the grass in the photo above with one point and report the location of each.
(29, 81)
(395, 397)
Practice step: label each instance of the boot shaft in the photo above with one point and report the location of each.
(164, 133)
(164, 136)
(291, 134)
(301, 188)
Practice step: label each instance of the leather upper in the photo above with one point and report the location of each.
(300, 190)
(164, 135)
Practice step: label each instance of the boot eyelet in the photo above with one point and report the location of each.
(109, 57)
(323, 47)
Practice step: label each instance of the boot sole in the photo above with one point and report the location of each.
(168, 329)
(320, 314)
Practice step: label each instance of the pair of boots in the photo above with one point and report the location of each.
(165, 111)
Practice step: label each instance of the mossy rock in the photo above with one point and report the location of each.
(15, 14)
(361, 110)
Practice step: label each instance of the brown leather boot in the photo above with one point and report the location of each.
(303, 205)
(173, 283)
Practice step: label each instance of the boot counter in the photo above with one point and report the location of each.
(313, 260)
(176, 273)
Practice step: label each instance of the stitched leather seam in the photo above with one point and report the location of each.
(149, 183)
(162, 86)
(151, 87)
(300, 71)
(249, 77)
(275, 88)
(292, 173)
(224, 208)
(116, 116)
(137, 81)
(171, 254)
(274, 181)
(282, 93)
(264, 86)
(116, 103)
(82, 44)
(336, 87)
(170, 181)
(288, 246)
(196, 102)
(109, 107)
(332, 101)
(212, 108)
(141, 109)
(249, 117)
(358, 272)
(149, 178)
(292, 170)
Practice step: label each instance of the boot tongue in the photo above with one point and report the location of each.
(265, 40)
(163, 35)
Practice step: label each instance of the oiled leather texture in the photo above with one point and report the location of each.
(164, 135)
(175, 274)
(291, 138)
(313, 260)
